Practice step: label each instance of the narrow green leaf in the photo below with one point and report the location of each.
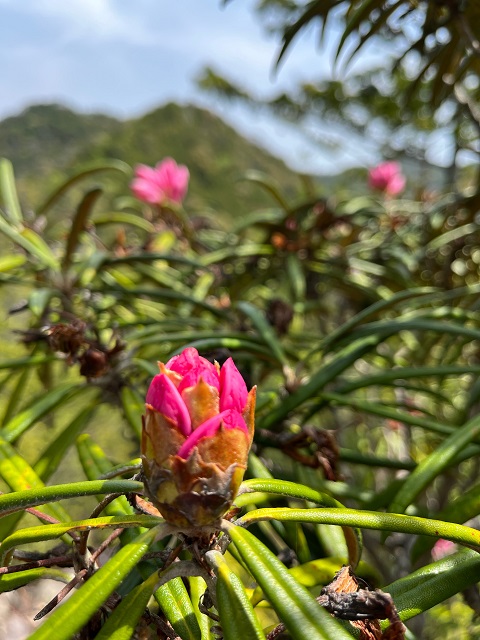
(433, 465)
(11, 262)
(198, 586)
(12, 581)
(39, 299)
(239, 251)
(353, 537)
(26, 361)
(133, 404)
(39, 407)
(19, 500)
(123, 217)
(16, 394)
(323, 376)
(267, 183)
(95, 463)
(123, 621)
(237, 617)
(71, 616)
(79, 222)
(102, 165)
(31, 242)
(371, 520)
(8, 192)
(296, 277)
(265, 330)
(29, 535)
(20, 476)
(175, 603)
(434, 583)
(52, 456)
(302, 615)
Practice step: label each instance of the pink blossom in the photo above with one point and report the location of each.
(167, 182)
(388, 178)
(198, 398)
(442, 548)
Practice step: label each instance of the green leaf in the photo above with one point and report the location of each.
(237, 617)
(71, 616)
(26, 361)
(198, 586)
(102, 165)
(79, 222)
(433, 465)
(267, 183)
(371, 520)
(39, 299)
(123, 621)
(16, 394)
(460, 510)
(434, 583)
(38, 408)
(296, 277)
(31, 242)
(302, 615)
(19, 500)
(12, 581)
(265, 330)
(8, 192)
(122, 217)
(175, 603)
(20, 476)
(322, 377)
(29, 535)
(8, 263)
(133, 404)
(353, 537)
(95, 463)
(52, 456)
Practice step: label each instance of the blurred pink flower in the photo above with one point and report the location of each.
(388, 178)
(168, 181)
(442, 548)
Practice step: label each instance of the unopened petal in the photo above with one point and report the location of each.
(233, 390)
(164, 397)
(229, 419)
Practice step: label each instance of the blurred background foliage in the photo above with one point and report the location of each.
(355, 313)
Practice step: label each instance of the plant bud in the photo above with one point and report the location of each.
(196, 436)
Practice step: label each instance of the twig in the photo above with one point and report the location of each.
(164, 626)
(60, 561)
(82, 544)
(61, 595)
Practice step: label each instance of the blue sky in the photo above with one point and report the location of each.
(125, 57)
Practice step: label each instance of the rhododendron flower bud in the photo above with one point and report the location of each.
(167, 182)
(196, 436)
(388, 178)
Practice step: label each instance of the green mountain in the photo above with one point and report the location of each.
(47, 142)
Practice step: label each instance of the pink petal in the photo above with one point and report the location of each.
(233, 390)
(229, 419)
(145, 172)
(184, 361)
(163, 396)
(194, 375)
(189, 361)
(146, 191)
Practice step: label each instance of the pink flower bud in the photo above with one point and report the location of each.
(167, 182)
(196, 436)
(388, 178)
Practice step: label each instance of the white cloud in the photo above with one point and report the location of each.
(99, 20)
